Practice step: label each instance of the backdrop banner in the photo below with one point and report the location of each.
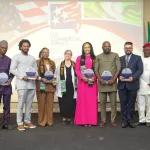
(148, 31)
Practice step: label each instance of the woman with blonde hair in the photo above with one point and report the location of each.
(45, 89)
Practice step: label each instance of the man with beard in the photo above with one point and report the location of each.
(25, 87)
(107, 61)
(143, 98)
(5, 91)
(128, 89)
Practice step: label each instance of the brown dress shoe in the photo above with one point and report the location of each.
(113, 124)
(102, 124)
(148, 124)
(21, 128)
(29, 125)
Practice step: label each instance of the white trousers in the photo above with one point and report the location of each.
(143, 102)
(24, 97)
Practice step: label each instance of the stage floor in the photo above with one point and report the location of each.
(60, 137)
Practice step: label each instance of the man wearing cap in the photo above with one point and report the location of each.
(5, 91)
(143, 99)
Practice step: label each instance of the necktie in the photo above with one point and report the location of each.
(127, 60)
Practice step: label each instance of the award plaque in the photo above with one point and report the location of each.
(31, 73)
(126, 73)
(106, 76)
(3, 78)
(89, 73)
(49, 75)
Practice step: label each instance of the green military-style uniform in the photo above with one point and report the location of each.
(107, 62)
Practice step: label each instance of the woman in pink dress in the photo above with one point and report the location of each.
(86, 107)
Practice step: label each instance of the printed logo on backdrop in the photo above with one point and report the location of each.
(66, 19)
(65, 22)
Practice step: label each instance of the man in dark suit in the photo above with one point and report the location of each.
(128, 89)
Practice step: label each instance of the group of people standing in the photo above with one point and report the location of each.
(78, 101)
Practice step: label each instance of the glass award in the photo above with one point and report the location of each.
(89, 73)
(48, 75)
(3, 79)
(126, 73)
(106, 76)
(31, 73)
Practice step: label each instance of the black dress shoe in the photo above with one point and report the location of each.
(70, 122)
(140, 123)
(124, 125)
(6, 127)
(148, 124)
(64, 122)
(131, 125)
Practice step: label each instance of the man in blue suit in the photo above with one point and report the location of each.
(128, 89)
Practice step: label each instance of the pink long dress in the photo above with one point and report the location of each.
(86, 107)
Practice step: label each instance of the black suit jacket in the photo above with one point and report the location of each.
(136, 66)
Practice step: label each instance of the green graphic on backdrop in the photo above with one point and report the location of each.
(129, 12)
(148, 31)
(132, 13)
(93, 10)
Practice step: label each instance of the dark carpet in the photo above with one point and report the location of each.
(60, 137)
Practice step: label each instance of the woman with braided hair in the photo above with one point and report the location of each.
(45, 89)
(86, 108)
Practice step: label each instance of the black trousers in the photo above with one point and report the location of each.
(6, 108)
(127, 102)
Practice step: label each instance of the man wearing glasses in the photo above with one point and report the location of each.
(128, 86)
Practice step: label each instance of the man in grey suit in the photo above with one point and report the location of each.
(128, 89)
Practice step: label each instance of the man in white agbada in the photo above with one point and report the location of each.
(25, 87)
(143, 99)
